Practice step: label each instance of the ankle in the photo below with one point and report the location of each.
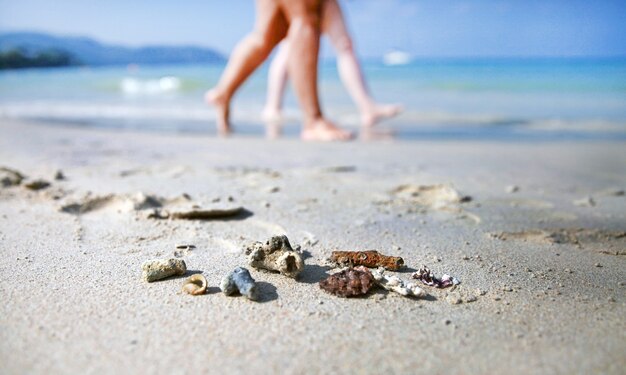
(216, 94)
(312, 121)
(271, 109)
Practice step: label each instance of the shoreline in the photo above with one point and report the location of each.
(396, 132)
(74, 299)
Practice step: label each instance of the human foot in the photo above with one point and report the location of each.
(222, 110)
(273, 130)
(378, 112)
(323, 130)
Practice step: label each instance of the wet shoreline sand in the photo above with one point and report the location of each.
(542, 267)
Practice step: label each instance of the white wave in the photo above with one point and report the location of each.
(396, 57)
(589, 125)
(174, 111)
(163, 85)
(76, 111)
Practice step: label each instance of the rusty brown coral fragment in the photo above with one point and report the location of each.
(370, 258)
(37, 185)
(349, 283)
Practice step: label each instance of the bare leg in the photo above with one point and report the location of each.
(304, 36)
(276, 84)
(349, 68)
(270, 28)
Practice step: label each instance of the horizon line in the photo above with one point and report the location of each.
(413, 57)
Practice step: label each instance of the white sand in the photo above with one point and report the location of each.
(73, 300)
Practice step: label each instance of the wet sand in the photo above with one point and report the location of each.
(541, 265)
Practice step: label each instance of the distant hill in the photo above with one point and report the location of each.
(86, 51)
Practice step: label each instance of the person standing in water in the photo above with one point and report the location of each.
(300, 22)
(333, 25)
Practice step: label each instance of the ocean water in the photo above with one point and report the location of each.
(502, 99)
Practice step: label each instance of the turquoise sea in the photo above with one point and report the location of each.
(503, 99)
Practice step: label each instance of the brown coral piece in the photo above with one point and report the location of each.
(349, 283)
(197, 213)
(207, 214)
(370, 258)
(37, 185)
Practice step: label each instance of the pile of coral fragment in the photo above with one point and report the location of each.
(357, 279)
(353, 279)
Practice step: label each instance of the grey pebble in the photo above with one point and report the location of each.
(239, 280)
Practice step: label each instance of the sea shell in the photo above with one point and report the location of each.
(349, 283)
(426, 276)
(195, 285)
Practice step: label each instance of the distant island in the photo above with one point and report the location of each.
(26, 50)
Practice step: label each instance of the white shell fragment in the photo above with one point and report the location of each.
(275, 255)
(397, 285)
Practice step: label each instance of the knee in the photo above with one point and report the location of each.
(305, 26)
(259, 41)
(343, 45)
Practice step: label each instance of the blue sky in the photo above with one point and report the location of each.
(428, 28)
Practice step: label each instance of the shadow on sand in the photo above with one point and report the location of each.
(313, 273)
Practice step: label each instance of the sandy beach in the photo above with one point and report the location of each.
(535, 232)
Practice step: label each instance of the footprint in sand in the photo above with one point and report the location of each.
(602, 241)
(442, 198)
(435, 197)
(112, 202)
(89, 204)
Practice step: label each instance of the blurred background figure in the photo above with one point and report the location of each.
(491, 69)
(299, 21)
(332, 25)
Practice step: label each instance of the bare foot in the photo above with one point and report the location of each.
(222, 111)
(326, 131)
(379, 112)
(273, 122)
(273, 130)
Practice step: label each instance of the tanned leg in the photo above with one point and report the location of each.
(270, 28)
(334, 26)
(304, 37)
